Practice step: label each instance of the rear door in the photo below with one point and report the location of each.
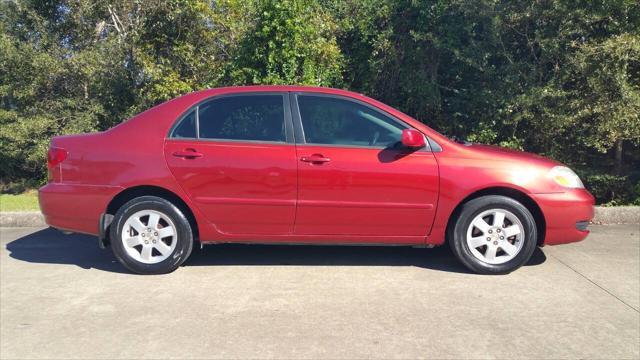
(355, 177)
(234, 156)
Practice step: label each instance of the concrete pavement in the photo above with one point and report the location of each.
(62, 297)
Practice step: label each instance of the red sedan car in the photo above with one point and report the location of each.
(290, 164)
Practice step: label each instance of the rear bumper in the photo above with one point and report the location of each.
(75, 207)
(566, 215)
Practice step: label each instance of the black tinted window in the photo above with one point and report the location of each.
(247, 117)
(328, 120)
(187, 126)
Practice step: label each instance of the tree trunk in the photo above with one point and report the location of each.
(618, 164)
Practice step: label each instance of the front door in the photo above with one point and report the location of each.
(355, 177)
(234, 157)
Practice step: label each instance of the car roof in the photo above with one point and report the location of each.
(274, 88)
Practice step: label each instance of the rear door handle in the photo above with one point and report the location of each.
(315, 158)
(188, 154)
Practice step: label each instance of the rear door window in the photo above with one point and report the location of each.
(246, 117)
(238, 117)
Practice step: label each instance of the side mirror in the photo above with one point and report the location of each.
(412, 138)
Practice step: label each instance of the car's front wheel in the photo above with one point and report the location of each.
(150, 235)
(493, 235)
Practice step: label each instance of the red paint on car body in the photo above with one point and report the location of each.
(290, 192)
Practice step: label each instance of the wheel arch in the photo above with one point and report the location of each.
(512, 193)
(150, 190)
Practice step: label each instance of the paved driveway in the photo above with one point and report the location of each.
(62, 297)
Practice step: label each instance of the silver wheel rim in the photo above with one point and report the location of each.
(149, 236)
(495, 236)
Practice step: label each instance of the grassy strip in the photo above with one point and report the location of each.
(22, 202)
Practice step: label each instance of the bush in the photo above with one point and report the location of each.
(611, 190)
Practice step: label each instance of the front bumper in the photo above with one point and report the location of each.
(566, 215)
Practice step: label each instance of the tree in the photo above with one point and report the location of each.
(43, 92)
(433, 59)
(290, 42)
(81, 66)
(576, 73)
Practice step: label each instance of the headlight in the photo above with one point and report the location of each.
(565, 177)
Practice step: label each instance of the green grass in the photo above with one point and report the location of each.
(27, 201)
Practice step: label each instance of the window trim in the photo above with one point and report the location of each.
(299, 129)
(286, 107)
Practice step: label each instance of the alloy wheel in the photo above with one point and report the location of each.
(495, 236)
(149, 236)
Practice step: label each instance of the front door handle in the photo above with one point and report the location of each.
(188, 154)
(315, 159)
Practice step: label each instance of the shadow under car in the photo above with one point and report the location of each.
(51, 246)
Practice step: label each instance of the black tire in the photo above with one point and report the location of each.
(458, 234)
(184, 235)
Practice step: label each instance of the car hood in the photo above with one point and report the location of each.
(493, 152)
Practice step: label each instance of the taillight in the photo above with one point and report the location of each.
(56, 156)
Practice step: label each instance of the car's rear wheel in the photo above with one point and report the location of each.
(493, 235)
(149, 235)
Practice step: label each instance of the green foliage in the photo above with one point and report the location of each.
(560, 78)
(291, 42)
(613, 190)
(635, 194)
(42, 96)
(81, 66)
(432, 59)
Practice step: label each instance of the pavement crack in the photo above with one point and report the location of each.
(594, 283)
